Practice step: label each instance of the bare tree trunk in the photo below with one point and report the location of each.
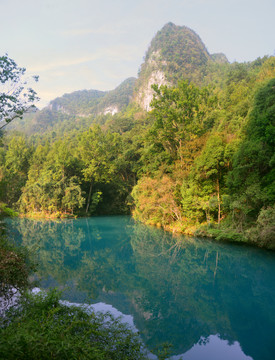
(89, 197)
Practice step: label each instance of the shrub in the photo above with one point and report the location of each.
(263, 234)
(41, 327)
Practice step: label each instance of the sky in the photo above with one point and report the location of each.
(87, 44)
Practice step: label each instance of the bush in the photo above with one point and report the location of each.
(227, 235)
(41, 327)
(263, 234)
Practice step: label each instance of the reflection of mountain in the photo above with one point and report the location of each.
(177, 291)
(213, 348)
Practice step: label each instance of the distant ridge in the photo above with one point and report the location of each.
(77, 105)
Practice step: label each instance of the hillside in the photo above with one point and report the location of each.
(77, 109)
(78, 103)
(175, 53)
(94, 102)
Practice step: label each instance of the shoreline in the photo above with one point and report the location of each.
(200, 230)
(212, 233)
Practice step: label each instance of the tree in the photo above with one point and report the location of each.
(53, 183)
(15, 98)
(252, 179)
(180, 114)
(210, 166)
(15, 169)
(73, 195)
(155, 201)
(98, 152)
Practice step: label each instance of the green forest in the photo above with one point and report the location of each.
(200, 162)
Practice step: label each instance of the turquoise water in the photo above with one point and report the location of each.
(208, 300)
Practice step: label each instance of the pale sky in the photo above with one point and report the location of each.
(87, 44)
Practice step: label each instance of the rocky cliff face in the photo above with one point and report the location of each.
(111, 110)
(151, 73)
(145, 93)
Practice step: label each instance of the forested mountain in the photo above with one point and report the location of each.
(94, 102)
(77, 109)
(175, 53)
(200, 160)
(77, 103)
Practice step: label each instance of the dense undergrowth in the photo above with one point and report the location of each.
(42, 327)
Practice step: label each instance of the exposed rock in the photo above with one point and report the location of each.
(111, 110)
(145, 94)
(56, 107)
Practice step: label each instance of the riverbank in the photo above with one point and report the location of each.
(47, 215)
(261, 233)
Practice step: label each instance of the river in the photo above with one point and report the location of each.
(208, 300)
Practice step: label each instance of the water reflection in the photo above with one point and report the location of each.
(178, 290)
(213, 348)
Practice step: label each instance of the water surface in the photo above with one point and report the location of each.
(209, 300)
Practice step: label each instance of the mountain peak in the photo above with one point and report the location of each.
(175, 52)
(179, 44)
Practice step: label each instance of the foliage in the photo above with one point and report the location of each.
(43, 328)
(155, 201)
(180, 114)
(15, 263)
(98, 151)
(179, 52)
(208, 174)
(53, 184)
(64, 176)
(263, 234)
(15, 169)
(15, 99)
(229, 177)
(252, 178)
(6, 211)
(15, 268)
(226, 235)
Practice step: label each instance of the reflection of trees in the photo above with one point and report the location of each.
(172, 296)
(197, 287)
(79, 252)
(178, 289)
(58, 245)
